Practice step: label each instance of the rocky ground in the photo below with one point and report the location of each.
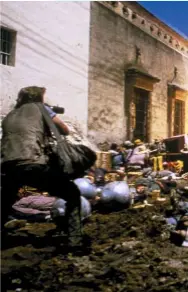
(131, 251)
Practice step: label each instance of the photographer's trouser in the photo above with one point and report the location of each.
(73, 216)
(43, 178)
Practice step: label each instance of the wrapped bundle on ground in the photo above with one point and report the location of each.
(59, 208)
(87, 189)
(117, 191)
(85, 208)
(162, 173)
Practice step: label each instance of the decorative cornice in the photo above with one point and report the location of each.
(176, 86)
(133, 71)
(149, 27)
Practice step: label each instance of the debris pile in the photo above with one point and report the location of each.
(130, 251)
(138, 232)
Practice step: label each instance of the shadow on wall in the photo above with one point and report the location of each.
(102, 72)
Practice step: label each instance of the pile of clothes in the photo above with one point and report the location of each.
(41, 208)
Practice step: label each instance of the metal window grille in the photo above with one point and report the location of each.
(6, 46)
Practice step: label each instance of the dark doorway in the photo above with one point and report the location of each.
(178, 117)
(141, 123)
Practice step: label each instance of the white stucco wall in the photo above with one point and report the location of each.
(52, 50)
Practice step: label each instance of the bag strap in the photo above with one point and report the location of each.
(49, 121)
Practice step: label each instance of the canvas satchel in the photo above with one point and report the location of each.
(72, 159)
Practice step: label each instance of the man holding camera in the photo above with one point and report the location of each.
(25, 161)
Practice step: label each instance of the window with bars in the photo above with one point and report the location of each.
(179, 117)
(8, 45)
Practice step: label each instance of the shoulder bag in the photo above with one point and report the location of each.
(72, 159)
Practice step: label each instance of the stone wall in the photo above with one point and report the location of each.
(113, 39)
(51, 51)
(139, 16)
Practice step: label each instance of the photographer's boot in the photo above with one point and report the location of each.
(75, 237)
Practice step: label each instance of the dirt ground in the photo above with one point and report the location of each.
(131, 251)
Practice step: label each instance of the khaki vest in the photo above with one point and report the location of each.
(23, 136)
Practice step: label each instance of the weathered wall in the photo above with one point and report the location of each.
(52, 50)
(112, 47)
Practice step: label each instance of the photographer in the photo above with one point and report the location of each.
(25, 162)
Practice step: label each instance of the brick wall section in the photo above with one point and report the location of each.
(51, 51)
(112, 48)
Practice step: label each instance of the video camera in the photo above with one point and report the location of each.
(57, 109)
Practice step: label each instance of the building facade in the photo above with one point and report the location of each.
(116, 68)
(138, 75)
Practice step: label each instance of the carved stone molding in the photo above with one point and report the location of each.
(125, 11)
(151, 28)
(159, 32)
(141, 79)
(134, 15)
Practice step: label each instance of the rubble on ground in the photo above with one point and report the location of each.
(131, 251)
